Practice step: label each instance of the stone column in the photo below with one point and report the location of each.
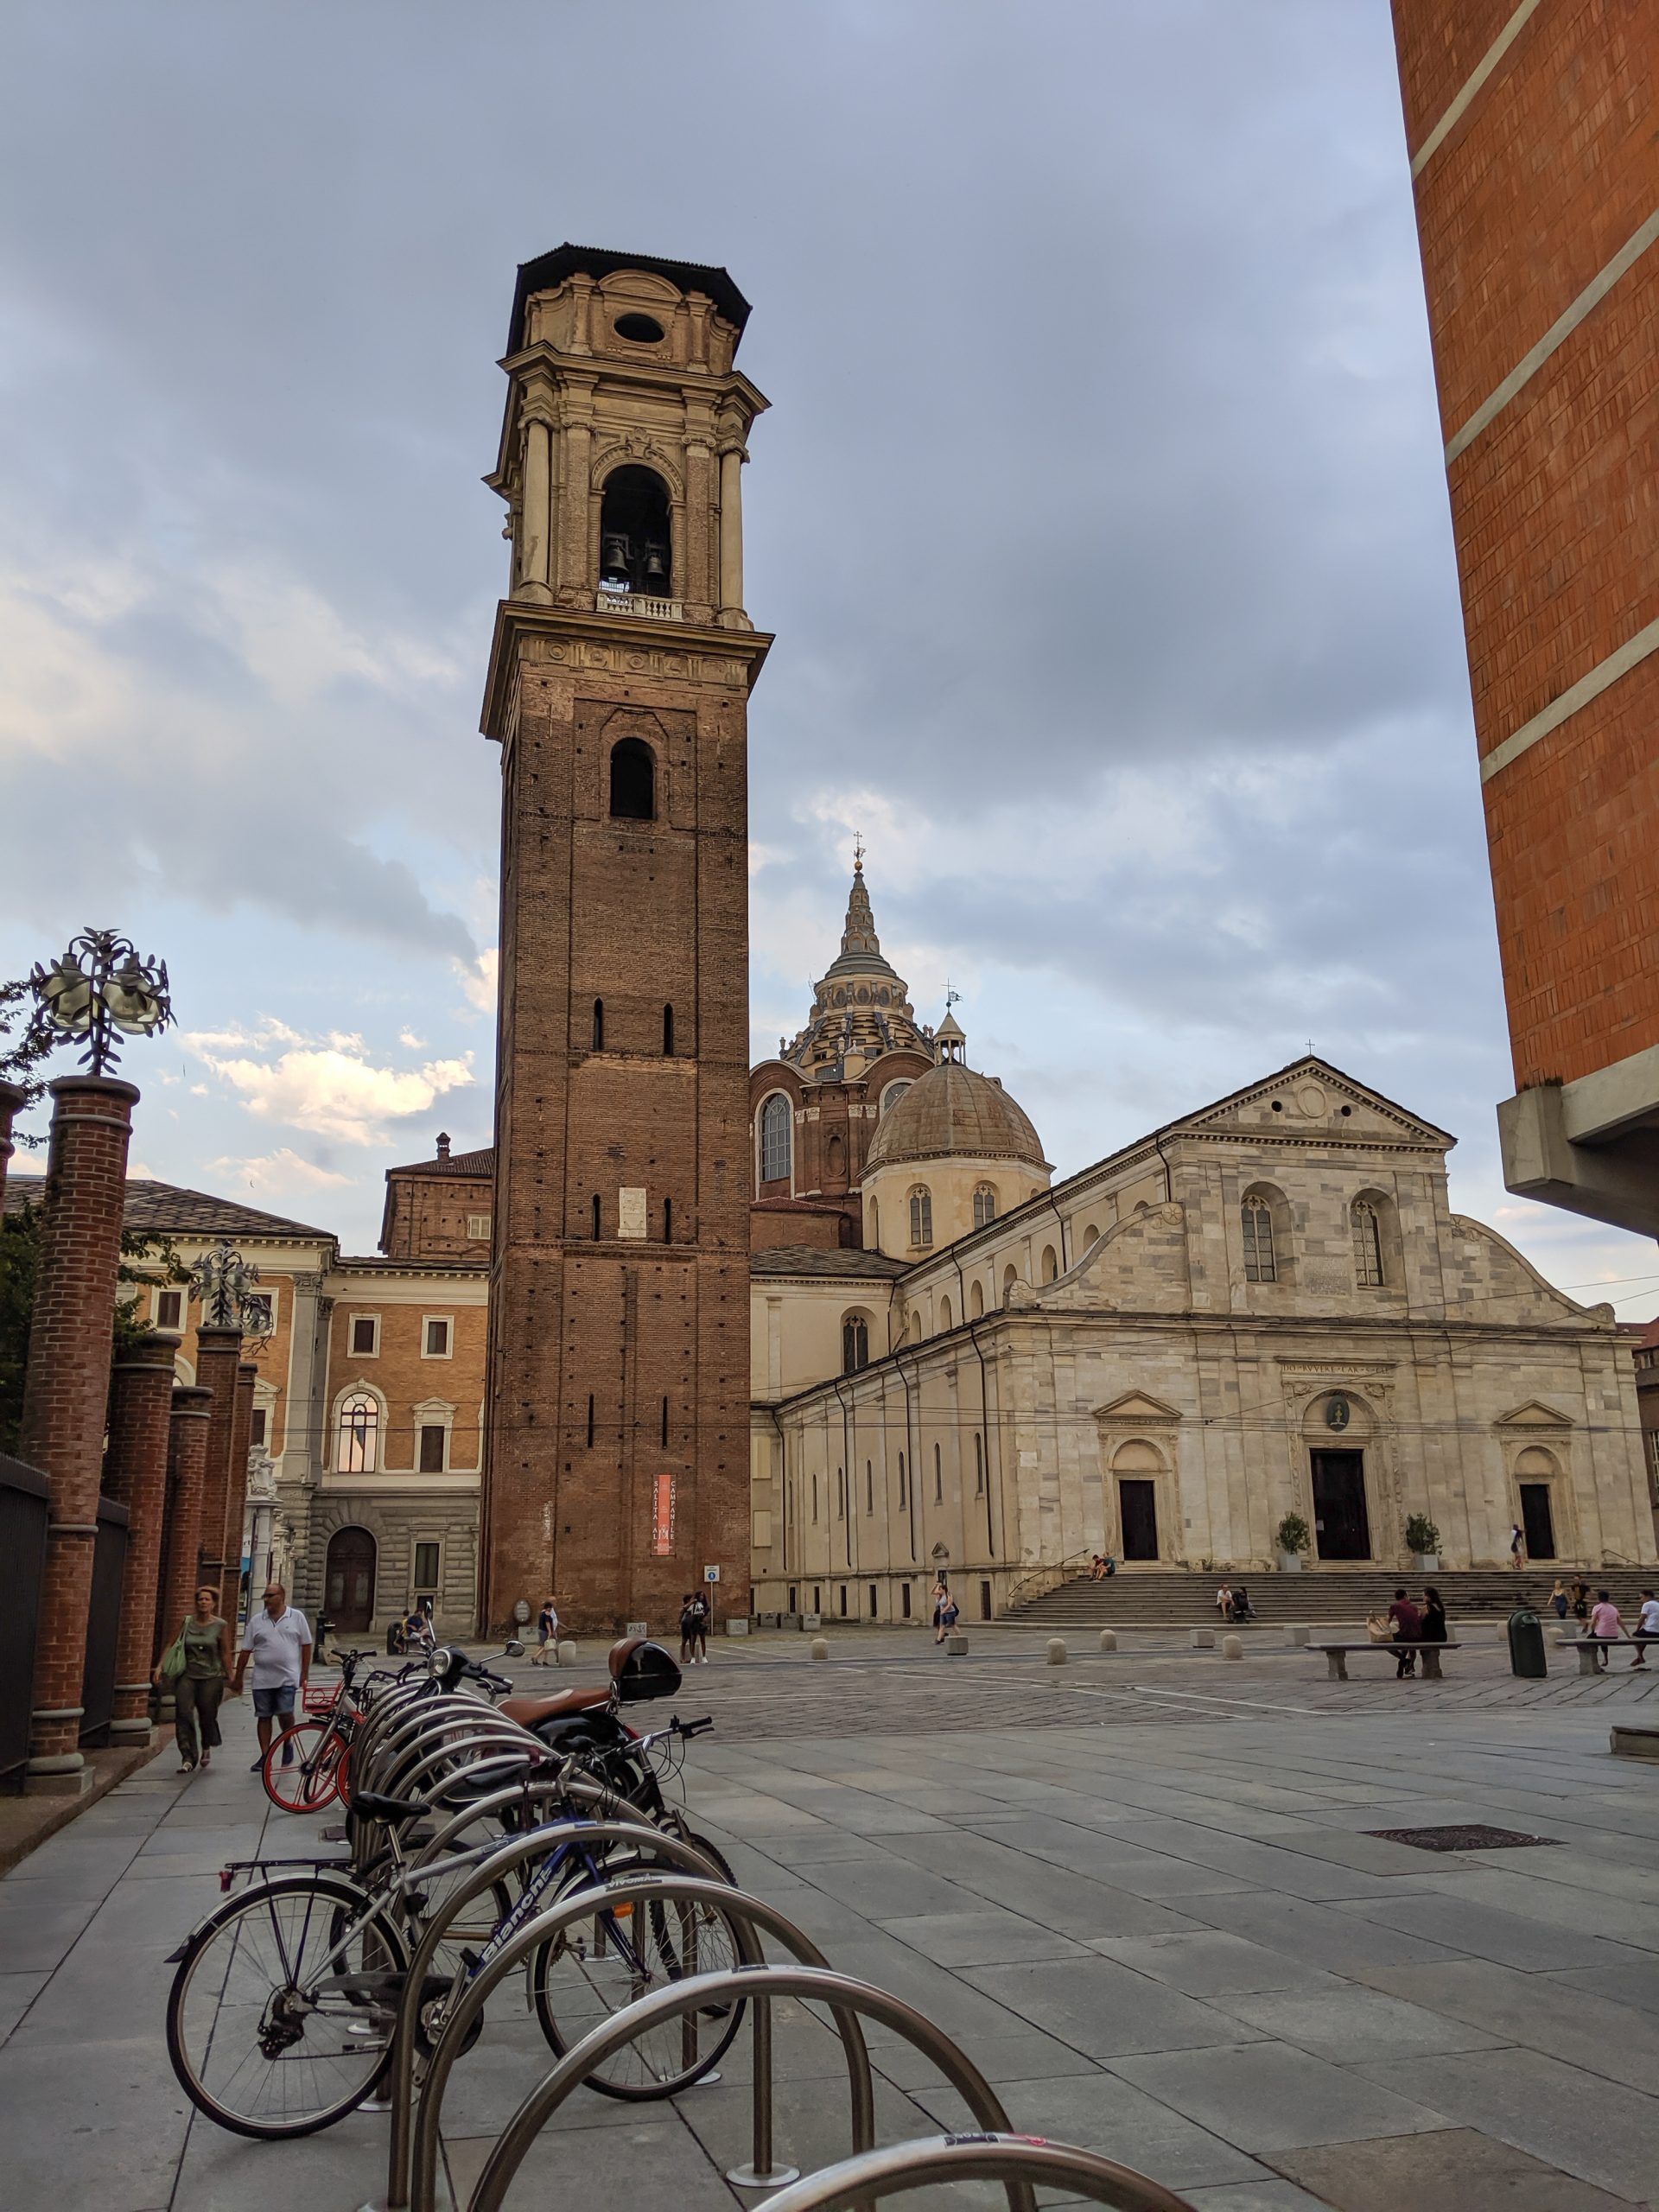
(135, 1475)
(236, 1496)
(11, 1104)
(218, 1354)
(65, 1393)
(187, 1459)
(731, 531)
(537, 518)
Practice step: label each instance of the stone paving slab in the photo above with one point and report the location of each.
(1164, 1931)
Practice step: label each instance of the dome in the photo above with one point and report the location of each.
(954, 1110)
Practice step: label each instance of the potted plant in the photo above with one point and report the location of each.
(1423, 1543)
(1292, 1538)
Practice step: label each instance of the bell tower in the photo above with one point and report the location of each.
(616, 1464)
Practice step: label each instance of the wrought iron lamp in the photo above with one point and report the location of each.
(224, 1282)
(97, 987)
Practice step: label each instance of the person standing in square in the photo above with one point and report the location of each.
(277, 1640)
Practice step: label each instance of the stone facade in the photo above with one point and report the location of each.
(1268, 1309)
(618, 690)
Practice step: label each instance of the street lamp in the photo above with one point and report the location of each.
(224, 1282)
(98, 986)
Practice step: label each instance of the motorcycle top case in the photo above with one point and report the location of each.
(642, 1670)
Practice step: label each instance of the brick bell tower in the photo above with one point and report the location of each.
(617, 1448)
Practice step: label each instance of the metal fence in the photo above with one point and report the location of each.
(24, 1510)
(102, 1622)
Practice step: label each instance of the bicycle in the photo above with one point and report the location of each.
(306, 1766)
(303, 1972)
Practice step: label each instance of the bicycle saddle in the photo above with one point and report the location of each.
(392, 1811)
(558, 1705)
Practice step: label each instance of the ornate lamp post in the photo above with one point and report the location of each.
(224, 1282)
(98, 991)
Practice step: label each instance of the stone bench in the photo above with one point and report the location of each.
(1337, 1655)
(1588, 1646)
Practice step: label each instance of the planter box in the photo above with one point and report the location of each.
(1290, 1562)
(1426, 1563)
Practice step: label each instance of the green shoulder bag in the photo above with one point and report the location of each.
(173, 1659)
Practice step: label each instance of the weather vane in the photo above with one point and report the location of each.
(98, 986)
(858, 850)
(952, 996)
(222, 1281)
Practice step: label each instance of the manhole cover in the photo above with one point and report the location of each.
(1472, 1838)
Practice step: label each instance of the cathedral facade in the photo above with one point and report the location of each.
(1265, 1309)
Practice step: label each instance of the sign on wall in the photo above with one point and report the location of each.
(662, 1515)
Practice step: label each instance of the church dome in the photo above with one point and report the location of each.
(953, 1111)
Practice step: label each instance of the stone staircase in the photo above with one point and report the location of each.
(1172, 1597)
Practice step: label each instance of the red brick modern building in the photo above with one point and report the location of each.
(1534, 135)
(618, 688)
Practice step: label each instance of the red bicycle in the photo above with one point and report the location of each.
(309, 1765)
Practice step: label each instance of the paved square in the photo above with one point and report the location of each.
(1138, 1890)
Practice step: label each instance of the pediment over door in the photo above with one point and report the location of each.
(1138, 1406)
(1534, 1415)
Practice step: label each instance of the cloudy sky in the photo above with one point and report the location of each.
(1098, 516)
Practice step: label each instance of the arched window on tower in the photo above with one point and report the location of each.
(633, 781)
(635, 543)
(894, 1093)
(984, 1207)
(921, 1216)
(1368, 1244)
(668, 1032)
(776, 1125)
(1260, 1264)
(599, 1024)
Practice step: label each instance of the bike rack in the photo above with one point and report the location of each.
(405, 2034)
(750, 1915)
(746, 1984)
(990, 2156)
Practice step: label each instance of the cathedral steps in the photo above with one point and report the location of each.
(1161, 1597)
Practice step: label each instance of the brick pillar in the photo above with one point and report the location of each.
(11, 1100)
(66, 1395)
(236, 1493)
(218, 1352)
(135, 1475)
(187, 1459)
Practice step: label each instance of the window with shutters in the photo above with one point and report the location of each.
(921, 1216)
(1261, 1263)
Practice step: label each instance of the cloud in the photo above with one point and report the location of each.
(332, 1088)
(282, 1172)
(480, 980)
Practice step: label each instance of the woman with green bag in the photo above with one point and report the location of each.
(197, 1667)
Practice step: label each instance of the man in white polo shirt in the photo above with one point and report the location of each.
(278, 1641)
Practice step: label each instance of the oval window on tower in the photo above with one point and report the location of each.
(643, 329)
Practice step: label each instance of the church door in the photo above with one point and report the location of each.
(1137, 1506)
(1537, 1523)
(1341, 1525)
(349, 1584)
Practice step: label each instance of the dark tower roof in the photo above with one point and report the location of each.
(549, 270)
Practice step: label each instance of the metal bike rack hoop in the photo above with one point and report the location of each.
(509, 1852)
(990, 2156)
(814, 1984)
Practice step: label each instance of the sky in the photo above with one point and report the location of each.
(1099, 517)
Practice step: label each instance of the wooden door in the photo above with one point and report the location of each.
(350, 1581)
(1537, 1521)
(1342, 1526)
(1137, 1506)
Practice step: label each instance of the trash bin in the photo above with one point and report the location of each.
(1526, 1645)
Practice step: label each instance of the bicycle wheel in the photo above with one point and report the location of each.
(280, 2017)
(597, 1964)
(309, 1779)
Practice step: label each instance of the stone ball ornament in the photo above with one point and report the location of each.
(97, 990)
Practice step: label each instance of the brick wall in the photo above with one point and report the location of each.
(135, 1475)
(186, 1462)
(65, 1388)
(1547, 174)
(637, 914)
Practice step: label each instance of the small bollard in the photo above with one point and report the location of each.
(956, 1644)
(820, 1647)
(1109, 1639)
(566, 1653)
(1057, 1651)
(1232, 1647)
(1203, 1639)
(1296, 1632)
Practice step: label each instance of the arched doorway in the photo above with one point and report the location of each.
(348, 1584)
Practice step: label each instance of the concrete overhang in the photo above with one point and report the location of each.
(1591, 1145)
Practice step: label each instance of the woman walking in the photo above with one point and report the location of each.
(198, 1689)
(1558, 1599)
(941, 1606)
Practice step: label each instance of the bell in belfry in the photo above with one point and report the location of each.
(656, 567)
